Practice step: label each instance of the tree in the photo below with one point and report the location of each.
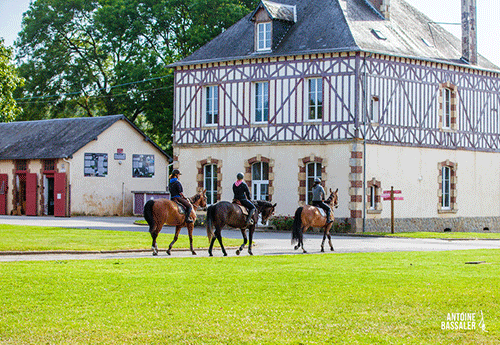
(103, 57)
(9, 81)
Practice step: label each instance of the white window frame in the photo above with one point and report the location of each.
(211, 193)
(211, 105)
(373, 195)
(447, 93)
(261, 101)
(375, 109)
(258, 184)
(313, 97)
(446, 187)
(316, 174)
(264, 39)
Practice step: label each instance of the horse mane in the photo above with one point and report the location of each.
(263, 203)
(195, 198)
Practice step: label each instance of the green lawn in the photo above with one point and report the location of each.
(36, 238)
(443, 235)
(367, 298)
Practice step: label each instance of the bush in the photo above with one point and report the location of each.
(342, 227)
(282, 223)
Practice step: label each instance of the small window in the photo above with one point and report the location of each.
(21, 165)
(96, 164)
(447, 108)
(379, 34)
(446, 187)
(212, 105)
(143, 165)
(210, 182)
(315, 99)
(374, 109)
(261, 102)
(373, 199)
(263, 36)
(49, 164)
(313, 171)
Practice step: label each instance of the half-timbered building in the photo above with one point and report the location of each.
(365, 94)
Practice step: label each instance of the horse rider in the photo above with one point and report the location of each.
(176, 194)
(318, 198)
(242, 194)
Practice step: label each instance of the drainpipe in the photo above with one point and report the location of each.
(365, 117)
(69, 185)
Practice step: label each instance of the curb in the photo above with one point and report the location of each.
(80, 252)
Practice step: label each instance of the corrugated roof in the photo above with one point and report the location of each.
(341, 26)
(57, 138)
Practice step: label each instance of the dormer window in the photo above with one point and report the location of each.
(264, 36)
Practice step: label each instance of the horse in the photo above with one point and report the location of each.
(226, 213)
(310, 216)
(164, 211)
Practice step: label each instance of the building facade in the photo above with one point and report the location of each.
(77, 166)
(365, 95)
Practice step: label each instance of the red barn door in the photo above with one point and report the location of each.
(3, 193)
(31, 194)
(60, 194)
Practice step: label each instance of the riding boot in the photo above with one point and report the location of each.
(328, 220)
(249, 217)
(188, 213)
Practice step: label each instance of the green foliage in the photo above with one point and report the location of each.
(282, 223)
(364, 298)
(89, 58)
(342, 226)
(9, 81)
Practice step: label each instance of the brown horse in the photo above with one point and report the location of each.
(225, 213)
(164, 211)
(310, 216)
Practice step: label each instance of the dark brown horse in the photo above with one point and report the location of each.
(225, 213)
(164, 211)
(310, 216)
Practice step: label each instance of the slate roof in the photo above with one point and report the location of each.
(58, 138)
(277, 11)
(343, 26)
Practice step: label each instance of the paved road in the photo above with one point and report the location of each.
(266, 243)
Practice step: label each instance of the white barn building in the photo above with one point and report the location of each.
(365, 94)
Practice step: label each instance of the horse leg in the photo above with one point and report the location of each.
(243, 232)
(302, 239)
(219, 238)
(250, 238)
(190, 227)
(154, 246)
(323, 242)
(329, 237)
(212, 241)
(176, 236)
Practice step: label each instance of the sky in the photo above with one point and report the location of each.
(443, 11)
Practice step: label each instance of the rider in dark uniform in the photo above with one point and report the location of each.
(242, 194)
(176, 194)
(318, 197)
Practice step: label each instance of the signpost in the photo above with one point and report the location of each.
(389, 195)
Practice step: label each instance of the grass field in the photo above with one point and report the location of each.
(368, 298)
(38, 238)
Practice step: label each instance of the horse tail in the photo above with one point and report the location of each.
(210, 219)
(297, 225)
(148, 215)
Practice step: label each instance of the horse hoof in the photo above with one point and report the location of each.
(296, 247)
(154, 254)
(305, 252)
(322, 250)
(210, 254)
(194, 253)
(225, 254)
(249, 252)
(238, 252)
(168, 252)
(332, 249)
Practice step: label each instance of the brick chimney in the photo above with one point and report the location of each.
(469, 31)
(382, 6)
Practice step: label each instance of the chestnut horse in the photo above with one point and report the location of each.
(310, 216)
(165, 211)
(226, 213)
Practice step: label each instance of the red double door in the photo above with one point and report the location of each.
(32, 194)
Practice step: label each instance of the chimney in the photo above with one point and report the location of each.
(382, 6)
(469, 31)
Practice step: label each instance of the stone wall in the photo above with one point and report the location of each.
(456, 224)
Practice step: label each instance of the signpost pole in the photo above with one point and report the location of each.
(392, 209)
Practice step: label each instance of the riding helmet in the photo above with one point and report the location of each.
(317, 180)
(240, 176)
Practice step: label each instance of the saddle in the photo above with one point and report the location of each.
(321, 211)
(243, 208)
(181, 207)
